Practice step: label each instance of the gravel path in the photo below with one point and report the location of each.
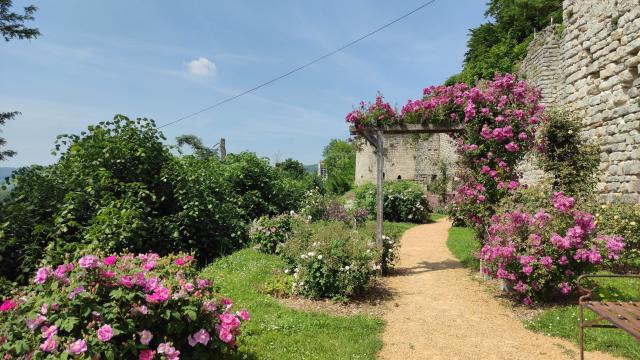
(439, 312)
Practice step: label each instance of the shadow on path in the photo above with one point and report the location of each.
(426, 266)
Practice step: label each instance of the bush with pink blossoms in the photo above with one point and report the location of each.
(542, 253)
(119, 307)
(373, 115)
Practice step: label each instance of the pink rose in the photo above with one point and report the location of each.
(8, 305)
(78, 347)
(225, 335)
(202, 336)
(42, 275)
(145, 337)
(49, 345)
(110, 260)
(105, 333)
(243, 314)
(49, 331)
(33, 324)
(126, 281)
(88, 262)
(145, 355)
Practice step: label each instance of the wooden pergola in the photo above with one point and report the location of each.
(375, 137)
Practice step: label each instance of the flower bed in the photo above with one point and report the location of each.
(542, 253)
(118, 307)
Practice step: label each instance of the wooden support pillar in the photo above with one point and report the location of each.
(223, 149)
(379, 187)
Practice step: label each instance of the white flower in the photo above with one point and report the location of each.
(311, 254)
(295, 275)
(286, 271)
(319, 257)
(303, 256)
(347, 268)
(633, 223)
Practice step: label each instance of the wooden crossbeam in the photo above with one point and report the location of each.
(414, 129)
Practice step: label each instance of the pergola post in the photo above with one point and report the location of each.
(379, 187)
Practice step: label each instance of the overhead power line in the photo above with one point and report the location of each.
(292, 71)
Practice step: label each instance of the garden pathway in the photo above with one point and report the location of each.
(439, 312)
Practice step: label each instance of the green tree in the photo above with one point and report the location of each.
(12, 26)
(3, 118)
(498, 46)
(340, 163)
(199, 149)
(292, 168)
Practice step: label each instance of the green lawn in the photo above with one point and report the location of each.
(278, 332)
(562, 320)
(464, 246)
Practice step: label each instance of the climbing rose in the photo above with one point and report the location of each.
(78, 347)
(110, 260)
(145, 355)
(145, 337)
(88, 261)
(105, 333)
(42, 275)
(202, 336)
(8, 305)
(49, 345)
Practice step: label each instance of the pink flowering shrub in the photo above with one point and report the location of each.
(119, 307)
(373, 115)
(541, 253)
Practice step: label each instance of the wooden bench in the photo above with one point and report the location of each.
(621, 315)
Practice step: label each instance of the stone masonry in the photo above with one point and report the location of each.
(407, 157)
(590, 65)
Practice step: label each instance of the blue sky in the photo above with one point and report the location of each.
(166, 59)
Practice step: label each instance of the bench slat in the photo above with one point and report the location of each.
(626, 316)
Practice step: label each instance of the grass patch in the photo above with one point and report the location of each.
(464, 246)
(278, 332)
(562, 321)
(433, 217)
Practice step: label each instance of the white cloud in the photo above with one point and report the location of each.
(201, 67)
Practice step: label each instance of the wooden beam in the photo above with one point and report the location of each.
(414, 129)
(379, 189)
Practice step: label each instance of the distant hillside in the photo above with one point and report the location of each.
(5, 172)
(311, 169)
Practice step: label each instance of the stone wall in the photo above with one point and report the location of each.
(592, 67)
(406, 157)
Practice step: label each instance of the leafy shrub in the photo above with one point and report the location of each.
(314, 205)
(403, 201)
(622, 219)
(118, 188)
(543, 253)
(360, 215)
(335, 211)
(567, 156)
(270, 233)
(118, 307)
(329, 259)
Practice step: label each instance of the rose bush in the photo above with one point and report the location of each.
(542, 253)
(330, 259)
(270, 233)
(118, 307)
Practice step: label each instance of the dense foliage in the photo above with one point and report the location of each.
(500, 44)
(118, 307)
(340, 164)
(542, 253)
(270, 233)
(403, 201)
(331, 259)
(564, 153)
(622, 219)
(117, 187)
